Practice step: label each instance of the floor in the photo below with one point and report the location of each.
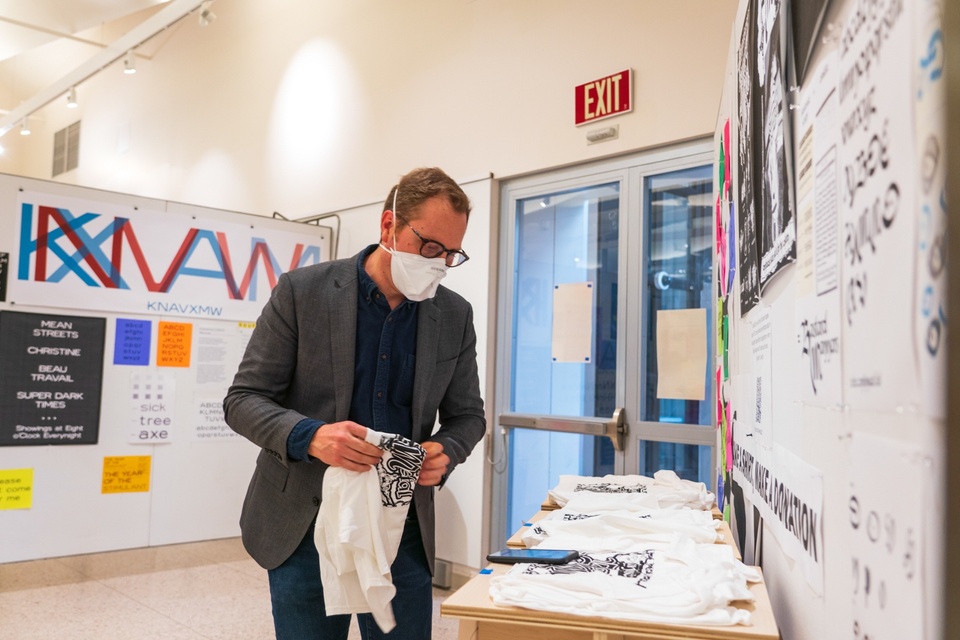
(195, 591)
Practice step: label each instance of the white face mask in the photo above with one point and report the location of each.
(416, 277)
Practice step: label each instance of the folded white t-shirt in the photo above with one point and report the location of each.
(665, 487)
(686, 583)
(609, 531)
(359, 526)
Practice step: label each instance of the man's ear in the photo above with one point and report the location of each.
(387, 222)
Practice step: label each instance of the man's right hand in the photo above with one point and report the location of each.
(342, 444)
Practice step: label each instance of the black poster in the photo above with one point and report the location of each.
(4, 268)
(806, 16)
(747, 252)
(776, 226)
(51, 374)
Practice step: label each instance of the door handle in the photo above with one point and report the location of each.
(614, 428)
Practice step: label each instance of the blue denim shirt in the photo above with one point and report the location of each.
(384, 366)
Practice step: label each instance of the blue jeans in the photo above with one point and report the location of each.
(297, 595)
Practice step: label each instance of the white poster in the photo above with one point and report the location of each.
(152, 405)
(84, 254)
(817, 311)
(572, 322)
(219, 349)
(682, 353)
(759, 393)
(930, 314)
(885, 538)
(877, 206)
(788, 494)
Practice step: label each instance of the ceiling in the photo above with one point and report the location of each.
(34, 23)
(49, 46)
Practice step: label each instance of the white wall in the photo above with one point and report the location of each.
(823, 435)
(309, 107)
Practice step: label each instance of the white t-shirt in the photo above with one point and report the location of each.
(359, 527)
(666, 487)
(610, 531)
(686, 583)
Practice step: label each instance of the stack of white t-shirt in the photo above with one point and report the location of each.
(598, 530)
(686, 583)
(665, 487)
(359, 527)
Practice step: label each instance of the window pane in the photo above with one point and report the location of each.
(537, 460)
(564, 238)
(689, 461)
(679, 250)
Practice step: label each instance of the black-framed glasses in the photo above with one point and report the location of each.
(433, 249)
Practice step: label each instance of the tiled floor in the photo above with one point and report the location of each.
(195, 591)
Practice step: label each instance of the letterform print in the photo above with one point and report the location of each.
(398, 469)
(609, 487)
(637, 565)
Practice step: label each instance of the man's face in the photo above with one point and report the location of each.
(437, 221)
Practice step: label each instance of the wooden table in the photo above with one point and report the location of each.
(480, 619)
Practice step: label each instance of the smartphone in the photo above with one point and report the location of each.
(545, 556)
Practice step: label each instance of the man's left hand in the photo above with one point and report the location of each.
(434, 465)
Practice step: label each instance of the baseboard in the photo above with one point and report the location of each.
(450, 575)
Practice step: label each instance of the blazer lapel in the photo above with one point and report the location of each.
(428, 336)
(342, 319)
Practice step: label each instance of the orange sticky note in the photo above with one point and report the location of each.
(173, 344)
(16, 489)
(125, 474)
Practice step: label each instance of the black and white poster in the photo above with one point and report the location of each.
(878, 207)
(775, 221)
(51, 378)
(746, 221)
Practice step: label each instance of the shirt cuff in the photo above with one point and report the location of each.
(298, 442)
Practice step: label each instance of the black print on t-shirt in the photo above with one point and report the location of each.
(398, 470)
(638, 564)
(609, 487)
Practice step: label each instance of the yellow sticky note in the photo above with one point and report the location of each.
(173, 344)
(16, 489)
(125, 474)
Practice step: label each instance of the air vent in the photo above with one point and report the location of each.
(66, 149)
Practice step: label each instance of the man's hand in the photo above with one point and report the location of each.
(342, 444)
(434, 465)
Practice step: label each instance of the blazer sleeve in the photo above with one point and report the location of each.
(462, 420)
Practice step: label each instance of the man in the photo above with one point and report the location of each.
(369, 341)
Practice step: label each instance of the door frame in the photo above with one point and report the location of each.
(629, 170)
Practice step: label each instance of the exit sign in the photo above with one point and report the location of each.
(609, 96)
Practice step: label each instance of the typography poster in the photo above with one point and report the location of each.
(77, 253)
(930, 317)
(876, 161)
(51, 378)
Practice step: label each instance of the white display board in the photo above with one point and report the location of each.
(833, 378)
(178, 288)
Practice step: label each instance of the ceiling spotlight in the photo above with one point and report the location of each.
(72, 98)
(205, 16)
(24, 127)
(130, 62)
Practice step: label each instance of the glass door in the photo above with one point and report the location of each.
(572, 357)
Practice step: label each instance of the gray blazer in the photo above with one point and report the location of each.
(300, 364)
